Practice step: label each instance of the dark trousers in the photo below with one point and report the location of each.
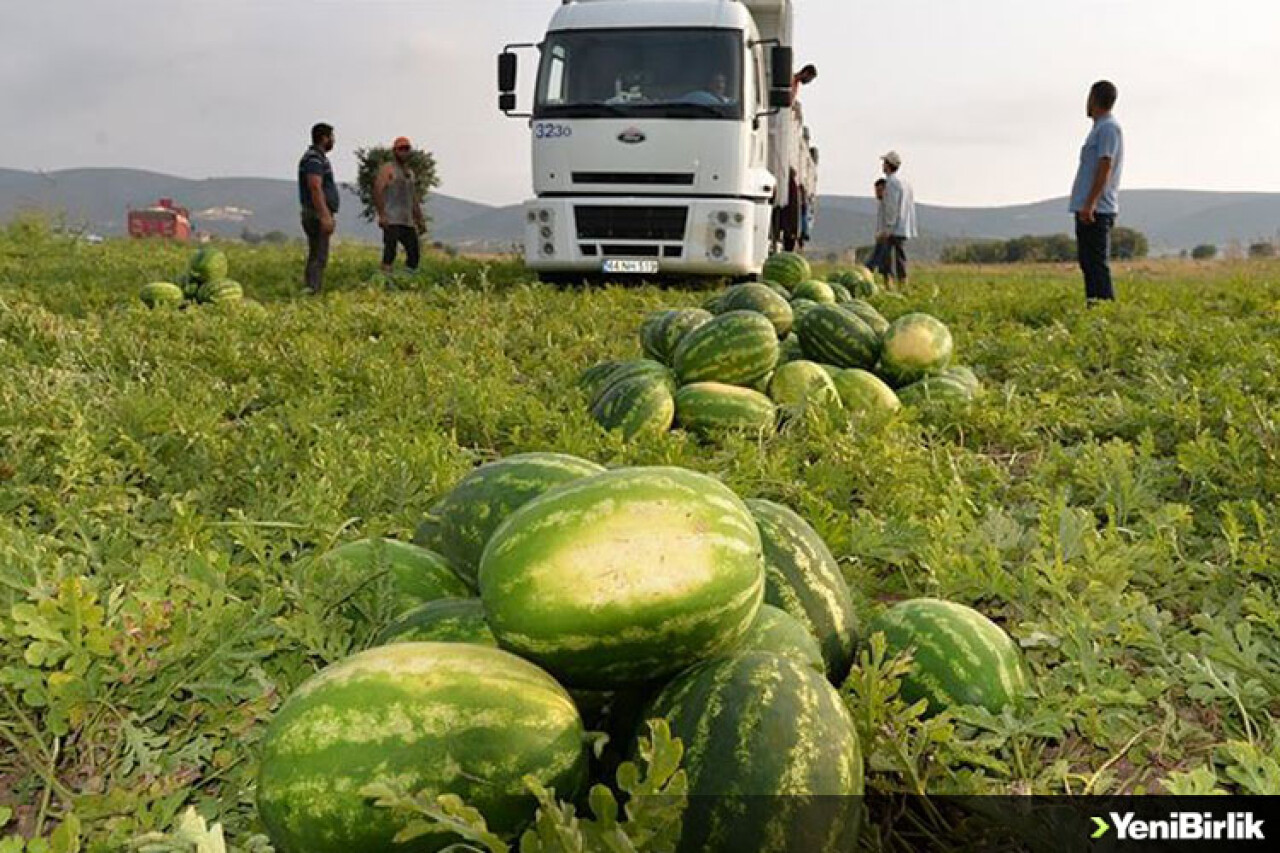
(896, 263)
(879, 260)
(1093, 244)
(405, 235)
(317, 251)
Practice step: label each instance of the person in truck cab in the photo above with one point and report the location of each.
(803, 77)
(716, 92)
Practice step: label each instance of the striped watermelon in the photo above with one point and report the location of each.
(772, 757)
(869, 315)
(416, 575)
(709, 408)
(936, 389)
(842, 293)
(219, 291)
(592, 380)
(789, 350)
(161, 293)
(862, 391)
(625, 577)
(460, 523)
(787, 269)
(778, 289)
(778, 632)
(803, 578)
(800, 307)
(762, 300)
(965, 376)
(636, 369)
(830, 334)
(799, 385)
(662, 331)
(736, 348)
(641, 405)
(435, 718)
(860, 281)
(447, 620)
(817, 291)
(207, 264)
(959, 656)
(915, 346)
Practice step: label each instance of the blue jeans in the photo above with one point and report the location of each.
(1093, 244)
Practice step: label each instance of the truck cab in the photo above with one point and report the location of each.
(663, 137)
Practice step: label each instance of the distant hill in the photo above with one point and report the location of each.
(1172, 219)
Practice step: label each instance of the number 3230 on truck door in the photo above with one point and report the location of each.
(544, 130)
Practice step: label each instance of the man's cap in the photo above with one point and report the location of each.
(402, 142)
(893, 158)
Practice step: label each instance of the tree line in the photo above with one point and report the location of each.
(1126, 244)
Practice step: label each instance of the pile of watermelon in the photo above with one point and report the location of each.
(545, 596)
(206, 281)
(761, 352)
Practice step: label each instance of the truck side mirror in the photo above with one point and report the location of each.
(780, 62)
(507, 102)
(506, 73)
(780, 98)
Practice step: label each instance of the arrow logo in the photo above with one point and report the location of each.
(1102, 829)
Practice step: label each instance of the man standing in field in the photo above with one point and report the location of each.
(878, 262)
(318, 194)
(898, 224)
(395, 197)
(1095, 196)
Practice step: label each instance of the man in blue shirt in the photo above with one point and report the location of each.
(1095, 196)
(318, 195)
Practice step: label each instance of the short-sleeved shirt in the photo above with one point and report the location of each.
(1106, 140)
(898, 208)
(314, 162)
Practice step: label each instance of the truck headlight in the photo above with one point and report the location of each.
(546, 232)
(721, 234)
(548, 249)
(544, 215)
(532, 216)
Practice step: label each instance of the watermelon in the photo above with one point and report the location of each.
(817, 291)
(798, 385)
(869, 315)
(161, 294)
(803, 578)
(207, 265)
(936, 389)
(762, 300)
(778, 289)
(862, 391)
(831, 334)
(789, 350)
(708, 408)
(842, 293)
(860, 281)
(592, 380)
(641, 405)
(628, 370)
(772, 757)
(959, 656)
(787, 269)
(416, 575)
(736, 348)
(778, 632)
(712, 305)
(650, 333)
(800, 307)
(435, 718)
(915, 346)
(460, 523)
(224, 290)
(625, 577)
(676, 324)
(446, 620)
(965, 376)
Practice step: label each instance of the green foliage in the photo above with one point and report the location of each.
(653, 792)
(369, 161)
(1126, 244)
(167, 478)
(1262, 249)
(1204, 252)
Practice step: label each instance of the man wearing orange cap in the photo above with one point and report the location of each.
(395, 196)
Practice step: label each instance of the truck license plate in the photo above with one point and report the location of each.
(630, 266)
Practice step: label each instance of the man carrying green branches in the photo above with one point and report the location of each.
(395, 198)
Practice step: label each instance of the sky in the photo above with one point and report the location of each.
(984, 99)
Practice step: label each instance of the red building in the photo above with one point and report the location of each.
(164, 219)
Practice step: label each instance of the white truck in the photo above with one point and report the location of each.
(665, 140)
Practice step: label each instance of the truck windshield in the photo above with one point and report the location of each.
(648, 73)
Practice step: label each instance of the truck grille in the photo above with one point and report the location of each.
(605, 222)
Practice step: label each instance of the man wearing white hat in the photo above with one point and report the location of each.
(898, 223)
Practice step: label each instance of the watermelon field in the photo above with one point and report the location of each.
(174, 482)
